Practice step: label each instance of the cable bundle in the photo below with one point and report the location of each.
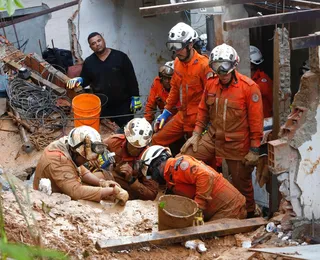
(36, 104)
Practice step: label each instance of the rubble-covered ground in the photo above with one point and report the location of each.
(74, 226)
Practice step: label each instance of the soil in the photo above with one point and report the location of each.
(74, 226)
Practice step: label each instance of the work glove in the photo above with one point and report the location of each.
(192, 141)
(75, 82)
(127, 171)
(262, 173)
(108, 184)
(161, 120)
(135, 104)
(252, 157)
(121, 196)
(198, 218)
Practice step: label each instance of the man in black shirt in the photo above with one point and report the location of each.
(110, 72)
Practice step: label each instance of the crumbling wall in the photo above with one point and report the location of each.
(302, 131)
(284, 74)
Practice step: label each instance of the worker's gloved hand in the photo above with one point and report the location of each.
(161, 120)
(75, 82)
(108, 184)
(252, 157)
(135, 104)
(192, 141)
(198, 219)
(121, 196)
(262, 173)
(127, 171)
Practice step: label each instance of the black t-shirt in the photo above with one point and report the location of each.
(113, 77)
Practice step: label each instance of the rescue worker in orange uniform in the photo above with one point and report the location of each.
(159, 91)
(187, 84)
(262, 79)
(128, 148)
(62, 163)
(188, 177)
(232, 105)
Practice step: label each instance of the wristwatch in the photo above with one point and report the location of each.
(132, 180)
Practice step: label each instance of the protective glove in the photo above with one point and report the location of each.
(121, 195)
(126, 170)
(262, 173)
(108, 184)
(161, 120)
(198, 218)
(135, 104)
(75, 82)
(192, 141)
(252, 157)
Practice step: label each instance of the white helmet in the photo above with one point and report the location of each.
(86, 141)
(255, 55)
(180, 36)
(195, 36)
(204, 37)
(167, 69)
(150, 154)
(138, 132)
(223, 59)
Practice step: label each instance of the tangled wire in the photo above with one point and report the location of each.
(38, 105)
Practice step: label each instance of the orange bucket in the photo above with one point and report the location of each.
(87, 106)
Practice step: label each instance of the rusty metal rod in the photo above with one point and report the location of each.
(20, 122)
(27, 146)
(34, 15)
(304, 42)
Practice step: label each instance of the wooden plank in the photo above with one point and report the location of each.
(313, 40)
(218, 32)
(271, 19)
(37, 79)
(166, 237)
(308, 4)
(179, 7)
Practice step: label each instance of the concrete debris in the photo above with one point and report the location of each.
(196, 245)
(45, 186)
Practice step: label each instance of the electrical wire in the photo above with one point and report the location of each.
(38, 103)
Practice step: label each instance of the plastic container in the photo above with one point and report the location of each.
(86, 106)
(175, 212)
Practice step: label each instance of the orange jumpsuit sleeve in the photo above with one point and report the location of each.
(202, 178)
(174, 95)
(203, 114)
(255, 114)
(151, 104)
(147, 189)
(65, 176)
(267, 96)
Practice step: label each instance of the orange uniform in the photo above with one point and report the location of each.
(236, 124)
(157, 99)
(265, 84)
(141, 188)
(191, 178)
(187, 85)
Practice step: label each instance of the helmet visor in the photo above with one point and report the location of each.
(175, 46)
(98, 147)
(222, 67)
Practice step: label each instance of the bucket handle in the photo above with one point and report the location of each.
(101, 94)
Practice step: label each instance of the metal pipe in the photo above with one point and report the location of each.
(210, 32)
(34, 15)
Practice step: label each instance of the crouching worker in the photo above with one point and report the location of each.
(128, 148)
(62, 163)
(188, 177)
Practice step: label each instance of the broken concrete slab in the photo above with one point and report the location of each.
(311, 252)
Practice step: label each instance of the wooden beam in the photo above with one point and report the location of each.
(179, 7)
(34, 15)
(313, 40)
(271, 19)
(301, 3)
(36, 78)
(166, 237)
